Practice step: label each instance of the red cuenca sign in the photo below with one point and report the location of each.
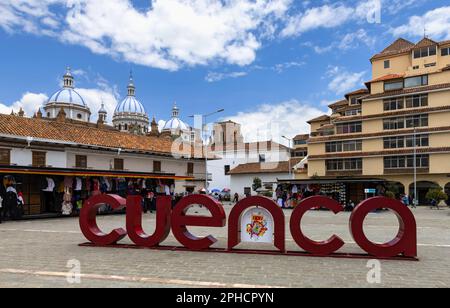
(404, 245)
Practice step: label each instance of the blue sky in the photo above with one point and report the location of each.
(261, 60)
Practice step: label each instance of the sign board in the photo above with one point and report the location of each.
(257, 226)
(370, 191)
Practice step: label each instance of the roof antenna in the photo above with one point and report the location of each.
(424, 32)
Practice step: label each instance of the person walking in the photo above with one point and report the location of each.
(405, 200)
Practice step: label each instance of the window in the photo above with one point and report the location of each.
(445, 51)
(430, 64)
(301, 153)
(81, 161)
(417, 121)
(416, 67)
(190, 168)
(5, 157)
(299, 142)
(343, 146)
(353, 112)
(387, 64)
(354, 101)
(262, 158)
(416, 101)
(406, 141)
(393, 123)
(156, 166)
(39, 159)
(425, 52)
(416, 81)
(395, 85)
(118, 164)
(79, 116)
(393, 104)
(349, 128)
(227, 169)
(406, 162)
(354, 164)
(405, 122)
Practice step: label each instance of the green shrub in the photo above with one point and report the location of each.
(390, 195)
(437, 194)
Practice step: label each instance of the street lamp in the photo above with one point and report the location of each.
(415, 200)
(204, 116)
(290, 155)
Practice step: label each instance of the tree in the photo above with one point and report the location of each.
(390, 195)
(257, 183)
(437, 194)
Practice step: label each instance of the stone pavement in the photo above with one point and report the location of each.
(36, 254)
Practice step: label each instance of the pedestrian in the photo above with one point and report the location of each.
(11, 202)
(236, 198)
(405, 200)
(434, 204)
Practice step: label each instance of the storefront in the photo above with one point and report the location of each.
(54, 192)
(344, 191)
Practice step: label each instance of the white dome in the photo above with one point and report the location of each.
(175, 124)
(68, 96)
(130, 105)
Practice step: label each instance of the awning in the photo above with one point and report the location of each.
(89, 173)
(330, 181)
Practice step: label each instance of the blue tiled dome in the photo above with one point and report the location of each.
(69, 96)
(130, 105)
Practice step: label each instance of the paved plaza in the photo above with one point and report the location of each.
(37, 254)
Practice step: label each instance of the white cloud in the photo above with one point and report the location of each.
(167, 35)
(326, 16)
(215, 76)
(30, 103)
(436, 22)
(346, 42)
(94, 99)
(342, 81)
(271, 121)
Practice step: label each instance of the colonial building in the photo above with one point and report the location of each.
(60, 157)
(376, 137)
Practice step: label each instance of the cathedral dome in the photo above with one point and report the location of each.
(67, 96)
(175, 123)
(130, 105)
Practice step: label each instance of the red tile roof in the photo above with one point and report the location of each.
(320, 119)
(426, 42)
(388, 77)
(357, 92)
(338, 104)
(85, 134)
(302, 137)
(257, 168)
(398, 47)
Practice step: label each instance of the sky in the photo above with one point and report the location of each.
(271, 64)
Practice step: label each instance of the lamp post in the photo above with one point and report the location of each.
(415, 200)
(290, 155)
(204, 117)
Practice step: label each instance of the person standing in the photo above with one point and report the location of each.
(236, 198)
